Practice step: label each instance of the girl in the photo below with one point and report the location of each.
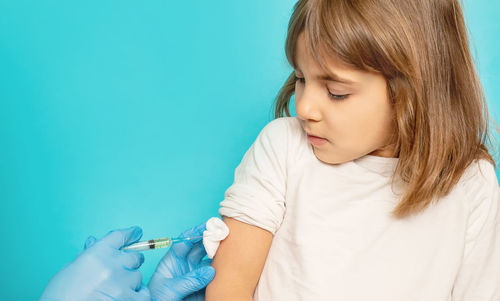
(382, 187)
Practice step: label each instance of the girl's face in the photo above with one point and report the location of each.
(353, 112)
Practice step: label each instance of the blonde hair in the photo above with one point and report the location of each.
(422, 49)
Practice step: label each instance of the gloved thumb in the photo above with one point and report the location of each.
(122, 237)
(89, 242)
(196, 280)
(206, 262)
(143, 294)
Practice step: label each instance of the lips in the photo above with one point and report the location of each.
(317, 141)
(315, 136)
(310, 135)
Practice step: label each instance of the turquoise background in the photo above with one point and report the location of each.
(119, 113)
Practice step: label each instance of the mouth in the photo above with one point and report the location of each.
(315, 140)
(313, 136)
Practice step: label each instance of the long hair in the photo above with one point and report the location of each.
(422, 49)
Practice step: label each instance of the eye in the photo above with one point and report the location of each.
(332, 96)
(337, 97)
(300, 79)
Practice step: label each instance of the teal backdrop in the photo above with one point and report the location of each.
(120, 113)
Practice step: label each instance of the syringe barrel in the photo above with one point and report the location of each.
(149, 244)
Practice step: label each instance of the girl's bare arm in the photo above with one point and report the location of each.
(239, 262)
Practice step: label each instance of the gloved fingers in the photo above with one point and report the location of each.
(181, 249)
(122, 237)
(133, 280)
(196, 254)
(128, 295)
(132, 260)
(195, 231)
(143, 294)
(89, 242)
(170, 266)
(196, 280)
(116, 290)
(206, 274)
(206, 262)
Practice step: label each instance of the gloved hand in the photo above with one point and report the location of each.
(102, 271)
(182, 274)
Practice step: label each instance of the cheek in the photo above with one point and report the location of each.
(297, 93)
(379, 123)
(369, 120)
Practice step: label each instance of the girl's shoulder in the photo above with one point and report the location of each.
(479, 173)
(286, 130)
(479, 187)
(480, 194)
(299, 148)
(286, 123)
(292, 125)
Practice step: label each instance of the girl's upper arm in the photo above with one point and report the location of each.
(239, 262)
(253, 209)
(479, 275)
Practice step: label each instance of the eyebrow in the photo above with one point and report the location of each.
(332, 77)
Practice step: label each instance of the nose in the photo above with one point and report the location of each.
(307, 105)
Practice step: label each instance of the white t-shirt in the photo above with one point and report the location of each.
(335, 240)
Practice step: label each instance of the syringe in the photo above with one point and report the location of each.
(157, 243)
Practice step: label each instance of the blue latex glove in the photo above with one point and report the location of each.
(102, 272)
(182, 274)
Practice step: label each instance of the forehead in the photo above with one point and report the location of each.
(304, 55)
(336, 69)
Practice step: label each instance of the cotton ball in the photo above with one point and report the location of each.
(216, 231)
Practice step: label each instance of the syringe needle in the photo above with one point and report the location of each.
(156, 243)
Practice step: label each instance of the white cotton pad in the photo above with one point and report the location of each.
(216, 231)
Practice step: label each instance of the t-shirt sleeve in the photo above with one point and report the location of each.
(257, 195)
(479, 275)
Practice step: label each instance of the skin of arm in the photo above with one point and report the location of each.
(238, 262)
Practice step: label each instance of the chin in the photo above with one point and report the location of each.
(331, 160)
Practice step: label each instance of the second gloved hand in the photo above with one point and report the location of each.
(102, 272)
(182, 274)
